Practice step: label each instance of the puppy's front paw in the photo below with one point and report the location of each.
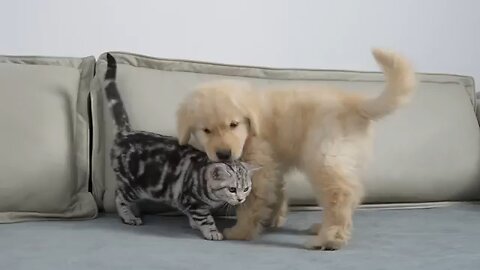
(323, 244)
(332, 238)
(238, 233)
(277, 222)
(213, 235)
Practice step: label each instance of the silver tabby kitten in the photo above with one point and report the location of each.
(155, 167)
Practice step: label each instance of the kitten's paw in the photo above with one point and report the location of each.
(135, 221)
(213, 235)
(192, 223)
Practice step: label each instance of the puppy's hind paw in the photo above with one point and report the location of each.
(314, 229)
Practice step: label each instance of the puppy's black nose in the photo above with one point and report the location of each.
(224, 154)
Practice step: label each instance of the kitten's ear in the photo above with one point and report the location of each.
(218, 171)
(251, 167)
(221, 172)
(184, 123)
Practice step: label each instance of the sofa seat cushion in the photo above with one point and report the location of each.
(434, 239)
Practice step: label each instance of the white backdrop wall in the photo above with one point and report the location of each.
(440, 36)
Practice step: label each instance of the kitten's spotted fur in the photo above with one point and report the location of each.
(155, 167)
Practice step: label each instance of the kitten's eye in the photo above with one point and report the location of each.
(246, 189)
(232, 190)
(206, 130)
(233, 124)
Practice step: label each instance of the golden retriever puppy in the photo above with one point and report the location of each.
(324, 132)
(230, 134)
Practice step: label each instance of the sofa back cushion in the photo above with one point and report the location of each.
(427, 151)
(44, 138)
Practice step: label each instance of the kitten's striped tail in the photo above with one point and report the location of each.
(115, 102)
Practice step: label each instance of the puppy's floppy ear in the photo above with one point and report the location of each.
(245, 99)
(253, 121)
(184, 123)
(251, 104)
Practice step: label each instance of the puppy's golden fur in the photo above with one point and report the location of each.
(326, 133)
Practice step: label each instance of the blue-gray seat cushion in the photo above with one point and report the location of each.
(440, 238)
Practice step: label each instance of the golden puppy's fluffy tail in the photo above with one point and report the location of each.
(400, 85)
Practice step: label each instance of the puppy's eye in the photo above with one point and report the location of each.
(234, 124)
(206, 130)
(246, 189)
(232, 190)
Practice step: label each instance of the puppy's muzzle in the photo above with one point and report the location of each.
(224, 154)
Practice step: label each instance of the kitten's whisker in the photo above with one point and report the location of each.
(229, 208)
(225, 208)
